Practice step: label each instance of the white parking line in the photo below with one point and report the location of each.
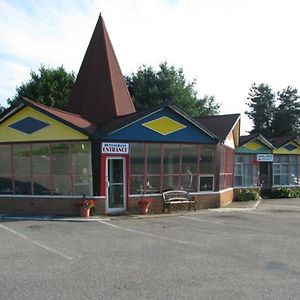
(151, 235)
(36, 243)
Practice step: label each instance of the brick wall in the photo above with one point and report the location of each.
(43, 206)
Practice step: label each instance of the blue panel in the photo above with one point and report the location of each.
(289, 147)
(29, 125)
(139, 133)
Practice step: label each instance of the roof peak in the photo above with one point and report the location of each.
(100, 93)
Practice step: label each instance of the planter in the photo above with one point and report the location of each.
(84, 212)
(143, 208)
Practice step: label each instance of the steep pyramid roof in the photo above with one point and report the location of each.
(100, 93)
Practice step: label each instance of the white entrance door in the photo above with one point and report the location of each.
(115, 185)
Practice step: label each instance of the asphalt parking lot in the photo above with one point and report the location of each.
(205, 255)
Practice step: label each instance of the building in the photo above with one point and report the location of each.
(266, 165)
(102, 148)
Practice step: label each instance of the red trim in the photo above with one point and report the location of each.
(103, 174)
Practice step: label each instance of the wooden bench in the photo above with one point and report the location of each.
(177, 197)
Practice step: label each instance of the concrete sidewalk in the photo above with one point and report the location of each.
(234, 206)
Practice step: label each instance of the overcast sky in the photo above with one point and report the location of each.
(224, 44)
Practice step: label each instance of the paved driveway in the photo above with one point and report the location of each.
(207, 255)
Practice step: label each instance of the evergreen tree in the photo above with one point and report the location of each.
(149, 87)
(262, 108)
(287, 116)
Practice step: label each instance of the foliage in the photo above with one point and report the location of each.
(149, 88)
(48, 86)
(262, 107)
(285, 192)
(248, 195)
(87, 203)
(274, 114)
(287, 116)
(2, 109)
(145, 201)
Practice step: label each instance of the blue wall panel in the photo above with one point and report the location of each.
(136, 132)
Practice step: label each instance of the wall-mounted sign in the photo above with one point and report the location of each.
(264, 157)
(115, 148)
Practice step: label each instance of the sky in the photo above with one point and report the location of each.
(224, 45)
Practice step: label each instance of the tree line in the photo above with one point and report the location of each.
(272, 113)
(148, 87)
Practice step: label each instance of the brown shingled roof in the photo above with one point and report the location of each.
(77, 121)
(100, 93)
(219, 125)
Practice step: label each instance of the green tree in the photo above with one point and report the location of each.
(149, 87)
(287, 115)
(261, 108)
(48, 86)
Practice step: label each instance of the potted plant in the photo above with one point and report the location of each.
(85, 207)
(144, 204)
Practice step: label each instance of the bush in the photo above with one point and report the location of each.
(286, 192)
(248, 195)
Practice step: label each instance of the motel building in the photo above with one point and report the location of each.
(102, 148)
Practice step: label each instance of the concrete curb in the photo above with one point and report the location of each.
(5, 217)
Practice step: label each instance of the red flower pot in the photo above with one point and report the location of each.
(84, 212)
(143, 208)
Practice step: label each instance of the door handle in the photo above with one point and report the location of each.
(107, 183)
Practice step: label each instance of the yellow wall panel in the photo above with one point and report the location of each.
(283, 150)
(55, 131)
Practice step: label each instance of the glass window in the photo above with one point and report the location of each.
(189, 159)
(82, 168)
(21, 156)
(5, 170)
(293, 174)
(207, 159)
(171, 158)
(153, 184)
(153, 158)
(5, 160)
(41, 185)
(206, 183)
(40, 159)
(136, 184)
(137, 158)
(60, 159)
(23, 185)
(171, 183)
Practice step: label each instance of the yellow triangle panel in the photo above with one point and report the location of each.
(253, 146)
(28, 125)
(164, 125)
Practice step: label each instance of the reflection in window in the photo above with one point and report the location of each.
(207, 159)
(206, 183)
(44, 168)
(167, 166)
(5, 170)
(82, 168)
(189, 159)
(171, 158)
(21, 156)
(153, 158)
(137, 158)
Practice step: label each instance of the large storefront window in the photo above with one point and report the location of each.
(246, 171)
(159, 167)
(286, 170)
(46, 168)
(6, 186)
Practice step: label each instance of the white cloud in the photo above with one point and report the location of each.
(225, 45)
